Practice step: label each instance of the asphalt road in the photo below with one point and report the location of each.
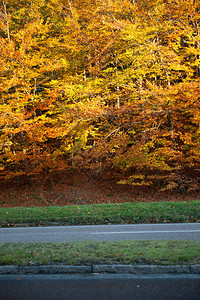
(182, 231)
(100, 287)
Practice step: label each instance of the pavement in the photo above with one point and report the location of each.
(100, 287)
(169, 231)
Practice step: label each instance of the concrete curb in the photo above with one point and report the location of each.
(117, 269)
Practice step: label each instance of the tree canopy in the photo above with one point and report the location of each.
(101, 84)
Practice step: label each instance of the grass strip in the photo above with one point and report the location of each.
(110, 213)
(87, 253)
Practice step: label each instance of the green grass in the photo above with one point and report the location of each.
(111, 213)
(87, 253)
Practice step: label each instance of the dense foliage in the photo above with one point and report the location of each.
(100, 84)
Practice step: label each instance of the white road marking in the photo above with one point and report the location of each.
(137, 232)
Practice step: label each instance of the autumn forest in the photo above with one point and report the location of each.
(101, 86)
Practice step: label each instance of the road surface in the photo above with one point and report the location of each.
(181, 231)
(100, 287)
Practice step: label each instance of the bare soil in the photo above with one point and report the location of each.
(81, 188)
